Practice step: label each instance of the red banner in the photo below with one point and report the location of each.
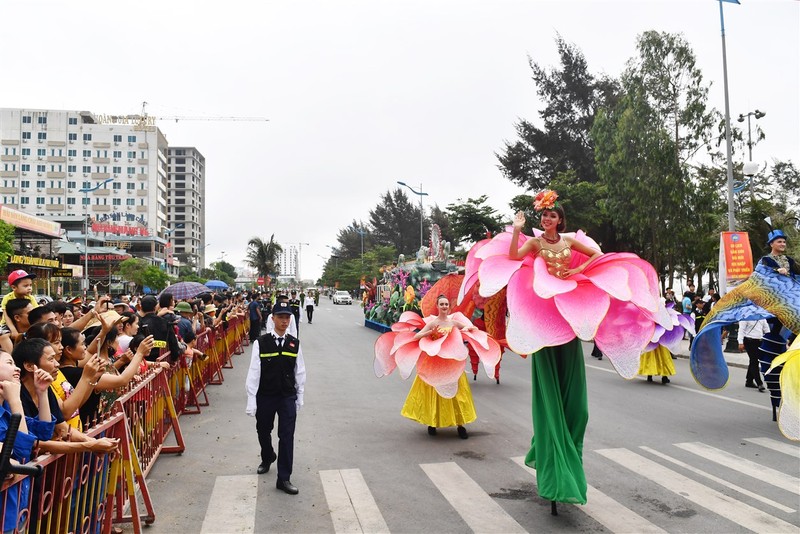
(735, 258)
(119, 229)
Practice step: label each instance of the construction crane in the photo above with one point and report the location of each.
(146, 123)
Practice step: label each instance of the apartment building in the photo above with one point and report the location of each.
(186, 211)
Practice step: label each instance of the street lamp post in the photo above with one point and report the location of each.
(361, 232)
(335, 256)
(757, 114)
(169, 255)
(421, 213)
(728, 149)
(86, 191)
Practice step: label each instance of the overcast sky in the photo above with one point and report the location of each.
(361, 94)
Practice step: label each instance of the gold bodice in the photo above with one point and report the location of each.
(557, 257)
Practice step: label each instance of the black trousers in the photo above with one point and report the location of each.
(267, 407)
(310, 312)
(753, 373)
(255, 329)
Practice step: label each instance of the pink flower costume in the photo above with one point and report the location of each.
(613, 300)
(440, 395)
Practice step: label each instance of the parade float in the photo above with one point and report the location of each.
(403, 285)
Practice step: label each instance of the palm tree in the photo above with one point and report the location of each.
(263, 255)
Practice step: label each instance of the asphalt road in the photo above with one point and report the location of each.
(671, 458)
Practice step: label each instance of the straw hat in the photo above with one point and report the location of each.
(111, 315)
(210, 308)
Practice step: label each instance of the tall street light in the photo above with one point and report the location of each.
(421, 213)
(169, 254)
(361, 232)
(335, 256)
(757, 114)
(731, 217)
(86, 192)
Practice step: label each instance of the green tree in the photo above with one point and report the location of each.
(154, 278)
(395, 222)
(6, 244)
(472, 219)
(263, 255)
(132, 270)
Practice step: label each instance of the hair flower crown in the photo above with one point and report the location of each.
(545, 200)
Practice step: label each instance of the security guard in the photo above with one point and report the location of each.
(275, 383)
(164, 338)
(295, 303)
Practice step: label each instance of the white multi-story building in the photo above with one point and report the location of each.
(48, 156)
(186, 207)
(288, 261)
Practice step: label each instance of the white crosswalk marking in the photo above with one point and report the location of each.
(472, 503)
(233, 505)
(779, 446)
(353, 509)
(605, 510)
(720, 481)
(748, 467)
(719, 503)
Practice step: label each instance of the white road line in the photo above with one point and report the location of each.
(748, 467)
(472, 503)
(720, 481)
(779, 446)
(699, 392)
(352, 507)
(606, 511)
(232, 507)
(733, 510)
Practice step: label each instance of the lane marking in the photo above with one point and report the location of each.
(707, 393)
(475, 506)
(779, 446)
(352, 506)
(605, 510)
(731, 509)
(232, 507)
(718, 480)
(747, 467)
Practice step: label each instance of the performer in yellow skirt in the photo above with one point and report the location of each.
(657, 362)
(440, 395)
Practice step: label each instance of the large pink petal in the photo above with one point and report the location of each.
(623, 335)
(384, 363)
(611, 278)
(438, 372)
(453, 347)
(495, 272)
(471, 270)
(476, 337)
(402, 338)
(489, 356)
(533, 322)
(406, 358)
(642, 294)
(430, 345)
(411, 318)
(583, 309)
(499, 245)
(545, 284)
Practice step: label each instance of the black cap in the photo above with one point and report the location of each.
(282, 308)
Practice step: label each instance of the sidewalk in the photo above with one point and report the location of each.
(734, 359)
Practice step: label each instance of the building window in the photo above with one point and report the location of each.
(86, 185)
(71, 201)
(41, 119)
(71, 185)
(130, 202)
(131, 138)
(40, 183)
(87, 137)
(131, 170)
(24, 200)
(25, 183)
(118, 153)
(73, 121)
(130, 186)
(26, 119)
(117, 138)
(116, 201)
(56, 152)
(116, 170)
(72, 152)
(131, 154)
(87, 168)
(117, 186)
(72, 136)
(41, 152)
(180, 152)
(180, 161)
(26, 151)
(86, 201)
(41, 136)
(72, 168)
(87, 153)
(180, 193)
(40, 168)
(40, 200)
(26, 135)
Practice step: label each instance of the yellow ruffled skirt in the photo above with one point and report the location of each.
(427, 407)
(656, 362)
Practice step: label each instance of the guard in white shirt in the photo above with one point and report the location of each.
(275, 383)
(270, 323)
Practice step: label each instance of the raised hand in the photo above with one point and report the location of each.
(10, 390)
(145, 346)
(41, 379)
(519, 221)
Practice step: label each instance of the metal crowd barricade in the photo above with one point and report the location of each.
(210, 368)
(79, 492)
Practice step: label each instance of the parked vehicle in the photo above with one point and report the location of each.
(342, 297)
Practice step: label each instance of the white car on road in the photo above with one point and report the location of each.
(342, 297)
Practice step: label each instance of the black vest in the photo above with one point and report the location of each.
(278, 365)
(295, 305)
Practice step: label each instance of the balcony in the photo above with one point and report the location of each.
(101, 207)
(141, 192)
(56, 175)
(56, 159)
(101, 160)
(103, 192)
(141, 161)
(55, 207)
(141, 177)
(55, 190)
(141, 208)
(101, 145)
(100, 175)
(10, 157)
